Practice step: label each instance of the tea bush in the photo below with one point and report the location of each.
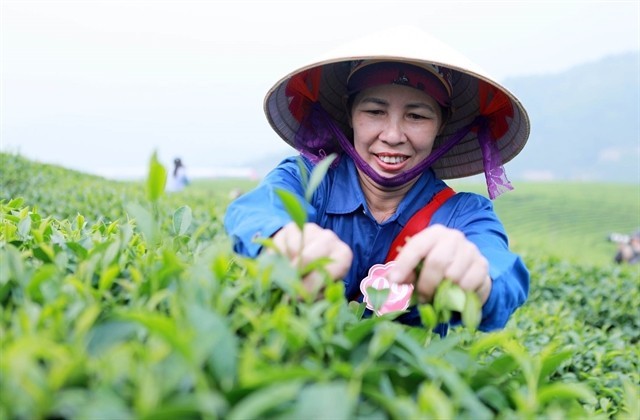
(139, 309)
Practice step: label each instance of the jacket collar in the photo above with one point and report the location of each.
(346, 195)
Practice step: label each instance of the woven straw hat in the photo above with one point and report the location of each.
(407, 44)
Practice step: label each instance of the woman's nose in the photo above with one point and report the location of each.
(393, 132)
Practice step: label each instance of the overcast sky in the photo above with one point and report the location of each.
(99, 85)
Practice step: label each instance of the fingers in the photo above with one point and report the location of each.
(319, 243)
(341, 258)
(438, 252)
(441, 253)
(314, 242)
(474, 276)
(287, 240)
(415, 252)
(313, 283)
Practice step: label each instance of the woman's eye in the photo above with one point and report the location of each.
(417, 117)
(374, 111)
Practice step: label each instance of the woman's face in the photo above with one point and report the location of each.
(394, 127)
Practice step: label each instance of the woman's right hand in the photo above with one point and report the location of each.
(310, 244)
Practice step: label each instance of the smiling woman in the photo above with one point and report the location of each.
(398, 127)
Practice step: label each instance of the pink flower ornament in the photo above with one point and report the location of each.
(399, 294)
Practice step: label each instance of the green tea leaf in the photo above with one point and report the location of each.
(630, 405)
(449, 296)
(182, 220)
(80, 251)
(318, 173)
(107, 276)
(384, 336)
(472, 311)
(315, 265)
(304, 172)
(216, 342)
(190, 406)
(104, 404)
(552, 358)
(487, 342)
(101, 337)
(462, 392)
(86, 320)
(44, 253)
(377, 297)
(162, 326)
(24, 227)
(259, 403)
(564, 391)
(44, 274)
(144, 220)
(434, 403)
(156, 179)
(357, 333)
(16, 203)
(323, 401)
(428, 316)
(334, 292)
(293, 207)
(12, 265)
(492, 396)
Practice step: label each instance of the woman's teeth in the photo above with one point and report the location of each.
(392, 159)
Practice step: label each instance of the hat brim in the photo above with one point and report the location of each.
(465, 158)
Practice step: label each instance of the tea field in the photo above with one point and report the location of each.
(569, 220)
(118, 301)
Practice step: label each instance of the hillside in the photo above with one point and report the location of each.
(585, 122)
(566, 220)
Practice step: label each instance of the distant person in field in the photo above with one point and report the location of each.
(177, 180)
(628, 249)
(383, 216)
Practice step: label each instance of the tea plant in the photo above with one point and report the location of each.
(148, 314)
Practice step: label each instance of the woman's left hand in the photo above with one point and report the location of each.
(445, 254)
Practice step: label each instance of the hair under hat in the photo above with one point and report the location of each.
(371, 73)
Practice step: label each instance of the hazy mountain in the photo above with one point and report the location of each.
(585, 123)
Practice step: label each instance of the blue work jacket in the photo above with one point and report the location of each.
(339, 204)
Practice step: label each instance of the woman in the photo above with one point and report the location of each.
(178, 179)
(401, 120)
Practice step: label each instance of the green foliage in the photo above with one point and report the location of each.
(589, 315)
(63, 193)
(318, 174)
(293, 207)
(156, 179)
(450, 298)
(116, 317)
(570, 221)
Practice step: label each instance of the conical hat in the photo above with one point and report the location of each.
(407, 44)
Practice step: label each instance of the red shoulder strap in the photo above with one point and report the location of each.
(419, 221)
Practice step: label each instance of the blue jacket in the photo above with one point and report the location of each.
(339, 204)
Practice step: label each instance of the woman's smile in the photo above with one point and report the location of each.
(392, 162)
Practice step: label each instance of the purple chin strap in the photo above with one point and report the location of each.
(317, 134)
(494, 173)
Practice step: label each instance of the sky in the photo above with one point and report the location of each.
(99, 86)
